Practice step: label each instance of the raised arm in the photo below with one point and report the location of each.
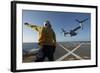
(33, 27)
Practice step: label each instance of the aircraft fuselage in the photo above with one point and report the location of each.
(73, 33)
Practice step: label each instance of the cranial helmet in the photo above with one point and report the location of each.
(47, 23)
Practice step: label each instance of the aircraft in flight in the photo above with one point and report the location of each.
(73, 32)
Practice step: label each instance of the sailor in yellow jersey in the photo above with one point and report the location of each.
(47, 41)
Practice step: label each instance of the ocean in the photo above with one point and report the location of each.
(27, 47)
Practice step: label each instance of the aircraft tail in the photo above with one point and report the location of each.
(63, 31)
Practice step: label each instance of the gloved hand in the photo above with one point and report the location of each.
(26, 23)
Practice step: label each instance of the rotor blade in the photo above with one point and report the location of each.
(84, 20)
(77, 20)
(63, 30)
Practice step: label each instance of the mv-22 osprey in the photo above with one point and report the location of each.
(73, 32)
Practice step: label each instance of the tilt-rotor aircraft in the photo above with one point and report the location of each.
(73, 32)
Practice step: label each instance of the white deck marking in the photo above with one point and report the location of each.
(69, 52)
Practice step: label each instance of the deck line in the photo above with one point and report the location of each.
(69, 52)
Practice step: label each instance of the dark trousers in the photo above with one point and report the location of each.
(45, 51)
